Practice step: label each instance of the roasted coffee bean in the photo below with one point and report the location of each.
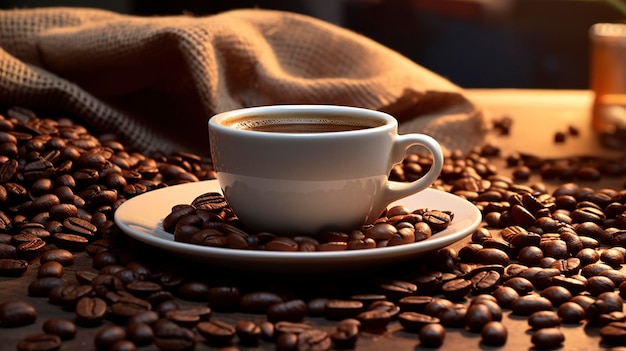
(505, 295)
(71, 242)
(521, 285)
(141, 334)
(493, 256)
(108, 336)
(169, 336)
(477, 316)
(547, 338)
(345, 335)
(281, 244)
(544, 319)
(456, 289)
(7, 251)
(15, 313)
(79, 226)
(432, 335)
(374, 320)
(571, 313)
(287, 342)
(143, 288)
(41, 287)
(599, 284)
(258, 301)
(63, 328)
(50, 269)
(103, 259)
(617, 276)
(437, 220)
(291, 311)
(494, 334)
(573, 285)
(283, 327)
(189, 316)
(612, 257)
(594, 269)
(193, 291)
(248, 332)
(613, 300)
(386, 306)
(530, 255)
(492, 305)
(10, 267)
(31, 249)
(381, 231)
(69, 294)
(90, 311)
(453, 316)
(556, 294)
(529, 304)
(314, 339)
(415, 303)
(485, 281)
(216, 332)
(210, 201)
(368, 299)
(61, 256)
(39, 342)
(397, 289)
(147, 317)
(614, 333)
(340, 309)
(436, 306)
(128, 306)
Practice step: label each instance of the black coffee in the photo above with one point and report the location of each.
(302, 125)
(306, 128)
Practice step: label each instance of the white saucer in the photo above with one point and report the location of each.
(140, 218)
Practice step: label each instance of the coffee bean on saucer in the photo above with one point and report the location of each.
(209, 201)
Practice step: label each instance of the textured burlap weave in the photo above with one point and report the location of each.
(155, 81)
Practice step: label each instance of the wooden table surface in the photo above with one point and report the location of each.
(537, 116)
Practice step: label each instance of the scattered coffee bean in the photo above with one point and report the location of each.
(548, 338)
(15, 313)
(39, 342)
(432, 335)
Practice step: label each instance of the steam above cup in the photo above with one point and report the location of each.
(302, 169)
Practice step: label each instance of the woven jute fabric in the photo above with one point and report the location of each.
(155, 81)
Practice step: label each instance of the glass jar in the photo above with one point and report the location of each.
(608, 82)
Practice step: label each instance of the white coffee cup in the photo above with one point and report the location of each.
(282, 171)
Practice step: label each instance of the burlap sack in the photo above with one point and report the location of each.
(155, 81)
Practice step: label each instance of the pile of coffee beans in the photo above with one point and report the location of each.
(208, 221)
(552, 256)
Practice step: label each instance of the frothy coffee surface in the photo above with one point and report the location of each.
(302, 124)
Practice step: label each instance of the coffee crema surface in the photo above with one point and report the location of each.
(301, 125)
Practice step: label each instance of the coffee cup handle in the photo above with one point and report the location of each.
(398, 190)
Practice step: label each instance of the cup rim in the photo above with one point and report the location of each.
(388, 120)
